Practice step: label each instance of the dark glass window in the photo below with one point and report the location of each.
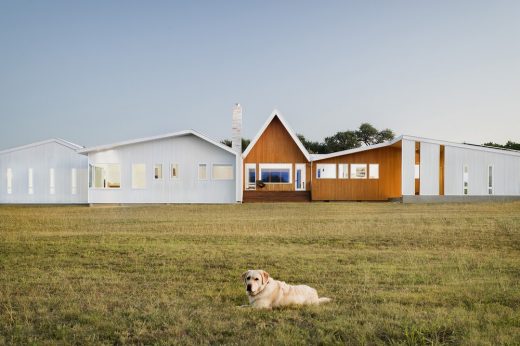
(272, 175)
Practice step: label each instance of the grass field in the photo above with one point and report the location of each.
(398, 274)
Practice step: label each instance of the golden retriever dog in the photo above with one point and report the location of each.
(266, 293)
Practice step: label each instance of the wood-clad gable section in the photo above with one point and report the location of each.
(276, 145)
(387, 186)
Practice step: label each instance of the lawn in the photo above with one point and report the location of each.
(397, 274)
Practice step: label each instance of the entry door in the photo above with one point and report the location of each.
(299, 177)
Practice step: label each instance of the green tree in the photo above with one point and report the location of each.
(228, 142)
(342, 141)
(367, 134)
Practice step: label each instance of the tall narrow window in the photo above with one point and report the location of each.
(9, 181)
(343, 171)
(174, 171)
(417, 172)
(465, 179)
(157, 171)
(203, 171)
(138, 176)
(30, 181)
(490, 179)
(250, 173)
(74, 181)
(222, 172)
(52, 182)
(373, 171)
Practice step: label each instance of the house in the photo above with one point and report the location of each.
(46, 172)
(277, 167)
(181, 167)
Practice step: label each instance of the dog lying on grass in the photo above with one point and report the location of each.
(266, 293)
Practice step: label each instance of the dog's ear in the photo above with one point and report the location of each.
(244, 275)
(265, 276)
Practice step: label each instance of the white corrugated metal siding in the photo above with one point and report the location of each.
(429, 169)
(407, 167)
(188, 152)
(41, 159)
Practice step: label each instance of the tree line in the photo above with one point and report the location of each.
(366, 134)
(508, 145)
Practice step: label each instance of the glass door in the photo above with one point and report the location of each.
(299, 177)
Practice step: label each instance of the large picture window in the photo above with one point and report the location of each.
(326, 171)
(276, 173)
(358, 171)
(105, 175)
(222, 172)
(138, 176)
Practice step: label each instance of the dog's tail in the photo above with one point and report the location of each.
(323, 300)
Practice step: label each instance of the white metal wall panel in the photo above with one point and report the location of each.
(506, 171)
(429, 169)
(188, 152)
(41, 159)
(408, 167)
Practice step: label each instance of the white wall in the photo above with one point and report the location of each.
(188, 151)
(408, 167)
(41, 159)
(506, 172)
(429, 169)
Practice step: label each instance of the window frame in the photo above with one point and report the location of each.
(318, 170)
(465, 179)
(134, 166)
(206, 177)
(172, 177)
(354, 166)
(273, 166)
(9, 178)
(30, 181)
(52, 181)
(370, 165)
(160, 166)
(491, 179)
(74, 181)
(345, 168)
(92, 175)
(222, 164)
(248, 185)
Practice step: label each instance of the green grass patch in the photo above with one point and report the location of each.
(398, 274)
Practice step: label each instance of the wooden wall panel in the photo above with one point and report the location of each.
(387, 186)
(276, 145)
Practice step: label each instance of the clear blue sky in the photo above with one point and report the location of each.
(96, 72)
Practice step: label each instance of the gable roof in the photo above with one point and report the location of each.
(59, 141)
(165, 136)
(293, 135)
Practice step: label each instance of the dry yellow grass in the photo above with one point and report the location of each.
(398, 274)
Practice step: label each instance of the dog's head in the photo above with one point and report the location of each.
(255, 281)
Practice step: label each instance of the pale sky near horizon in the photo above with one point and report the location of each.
(97, 72)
